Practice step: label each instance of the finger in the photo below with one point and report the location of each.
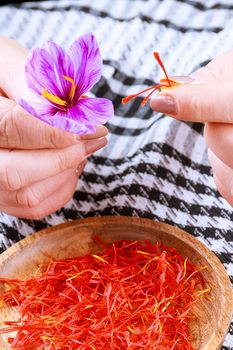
(32, 196)
(223, 172)
(223, 176)
(220, 69)
(19, 130)
(22, 168)
(219, 139)
(198, 103)
(4, 40)
(12, 62)
(223, 190)
(51, 204)
(101, 131)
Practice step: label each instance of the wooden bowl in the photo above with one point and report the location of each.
(211, 317)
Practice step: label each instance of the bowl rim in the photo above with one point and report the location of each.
(217, 338)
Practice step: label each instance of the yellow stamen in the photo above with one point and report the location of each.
(132, 330)
(78, 274)
(53, 98)
(99, 258)
(185, 268)
(157, 306)
(165, 307)
(73, 87)
(160, 327)
(207, 290)
(142, 252)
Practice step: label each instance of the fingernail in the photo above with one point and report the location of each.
(222, 172)
(101, 131)
(182, 79)
(94, 145)
(164, 104)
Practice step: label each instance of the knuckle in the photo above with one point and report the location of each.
(53, 138)
(214, 70)
(57, 139)
(61, 160)
(198, 107)
(27, 198)
(10, 178)
(41, 210)
(9, 131)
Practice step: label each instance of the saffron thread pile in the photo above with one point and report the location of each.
(133, 295)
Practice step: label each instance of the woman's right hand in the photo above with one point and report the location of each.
(39, 164)
(208, 98)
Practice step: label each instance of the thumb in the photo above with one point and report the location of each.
(197, 102)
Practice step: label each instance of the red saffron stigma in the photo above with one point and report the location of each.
(157, 57)
(163, 84)
(133, 295)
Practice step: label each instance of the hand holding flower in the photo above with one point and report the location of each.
(37, 161)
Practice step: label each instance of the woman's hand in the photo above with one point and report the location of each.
(208, 98)
(39, 164)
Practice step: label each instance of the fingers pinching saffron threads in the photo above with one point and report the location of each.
(165, 83)
(59, 80)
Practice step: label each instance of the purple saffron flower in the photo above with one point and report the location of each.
(60, 80)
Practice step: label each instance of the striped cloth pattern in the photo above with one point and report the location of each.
(153, 166)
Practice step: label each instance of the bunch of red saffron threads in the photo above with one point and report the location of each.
(131, 296)
(164, 83)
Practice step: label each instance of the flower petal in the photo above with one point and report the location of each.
(55, 118)
(47, 67)
(85, 54)
(93, 111)
(80, 119)
(63, 121)
(37, 109)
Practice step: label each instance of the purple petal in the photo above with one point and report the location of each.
(92, 111)
(80, 119)
(37, 109)
(63, 121)
(85, 54)
(46, 68)
(55, 118)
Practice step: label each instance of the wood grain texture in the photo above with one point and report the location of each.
(211, 318)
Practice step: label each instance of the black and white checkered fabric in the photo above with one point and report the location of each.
(154, 166)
